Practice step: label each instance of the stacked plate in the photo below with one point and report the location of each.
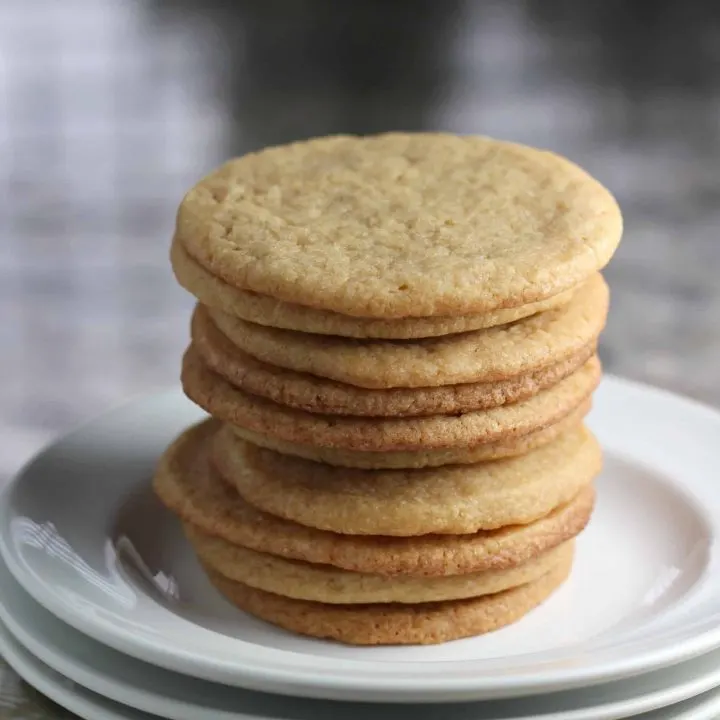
(100, 587)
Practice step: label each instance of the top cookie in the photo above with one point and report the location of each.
(401, 225)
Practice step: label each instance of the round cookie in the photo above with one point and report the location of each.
(395, 623)
(407, 459)
(401, 225)
(265, 310)
(186, 483)
(490, 355)
(318, 395)
(225, 402)
(446, 500)
(325, 584)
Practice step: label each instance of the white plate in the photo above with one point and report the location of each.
(136, 684)
(72, 697)
(91, 706)
(83, 535)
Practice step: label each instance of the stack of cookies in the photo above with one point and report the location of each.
(396, 340)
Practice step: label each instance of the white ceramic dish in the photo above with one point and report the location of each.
(65, 693)
(83, 535)
(91, 706)
(131, 682)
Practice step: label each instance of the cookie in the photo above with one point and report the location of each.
(265, 310)
(225, 402)
(188, 485)
(491, 355)
(421, 458)
(401, 225)
(454, 499)
(395, 623)
(318, 395)
(324, 584)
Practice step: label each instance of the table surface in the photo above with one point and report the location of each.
(112, 109)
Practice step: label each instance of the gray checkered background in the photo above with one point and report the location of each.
(109, 109)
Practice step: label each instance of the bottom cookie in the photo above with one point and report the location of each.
(395, 624)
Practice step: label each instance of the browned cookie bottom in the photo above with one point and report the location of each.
(394, 624)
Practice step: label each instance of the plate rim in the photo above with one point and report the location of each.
(75, 698)
(349, 685)
(97, 681)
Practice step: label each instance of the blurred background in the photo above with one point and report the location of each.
(111, 109)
